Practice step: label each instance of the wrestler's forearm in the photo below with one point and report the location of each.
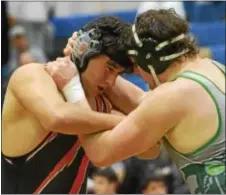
(95, 149)
(78, 119)
(93, 145)
(123, 141)
(103, 150)
(125, 96)
(151, 153)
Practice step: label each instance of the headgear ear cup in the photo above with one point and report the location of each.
(81, 55)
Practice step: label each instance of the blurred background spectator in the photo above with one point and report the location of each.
(134, 171)
(39, 31)
(105, 181)
(34, 17)
(157, 180)
(22, 52)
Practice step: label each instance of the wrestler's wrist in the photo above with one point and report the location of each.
(73, 90)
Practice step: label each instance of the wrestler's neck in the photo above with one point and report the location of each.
(177, 68)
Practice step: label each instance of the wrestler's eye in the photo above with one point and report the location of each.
(109, 68)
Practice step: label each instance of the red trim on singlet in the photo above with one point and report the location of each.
(107, 104)
(102, 102)
(100, 107)
(68, 158)
(46, 141)
(65, 161)
(80, 176)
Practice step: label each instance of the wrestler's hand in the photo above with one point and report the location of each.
(62, 71)
(70, 44)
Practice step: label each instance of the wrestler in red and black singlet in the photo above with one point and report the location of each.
(56, 166)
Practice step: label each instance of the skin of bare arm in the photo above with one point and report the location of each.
(152, 152)
(140, 130)
(37, 92)
(124, 95)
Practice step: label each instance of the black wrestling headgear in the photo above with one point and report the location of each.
(150, 55)
(97, 44)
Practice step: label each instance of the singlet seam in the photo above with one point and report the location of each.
(218, 65)
(192, 72)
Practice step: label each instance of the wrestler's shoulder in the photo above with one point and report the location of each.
(25, 72)
(27, 69)
(30, 67)
(178, 90)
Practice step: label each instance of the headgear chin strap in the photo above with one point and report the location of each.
(154, 75)
(150, 55)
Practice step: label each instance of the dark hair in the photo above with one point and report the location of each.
(111, 29)
(150, 178)
(158, 173)
(108, 173)
(161, 25)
